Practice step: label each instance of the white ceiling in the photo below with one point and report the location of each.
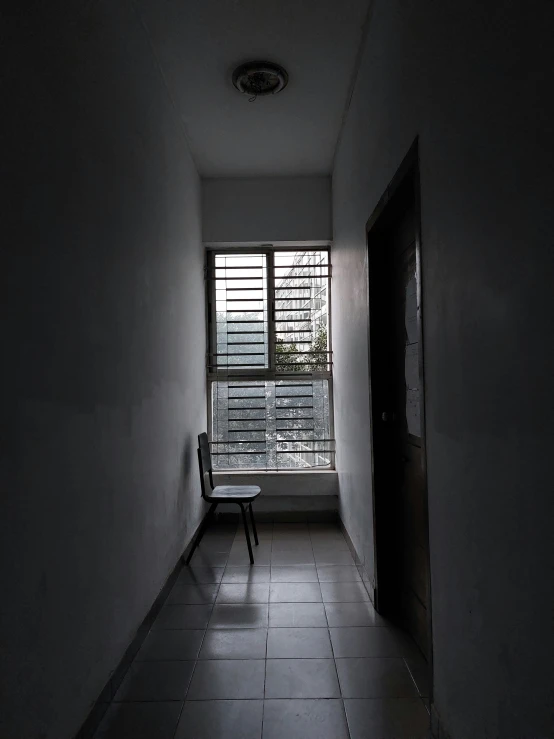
(200, 42)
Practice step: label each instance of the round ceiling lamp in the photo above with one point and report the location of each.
(260, 78)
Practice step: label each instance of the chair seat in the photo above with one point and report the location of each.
(234, 492)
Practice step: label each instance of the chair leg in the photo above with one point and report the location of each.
(201, 531)
(253, 525)
(247, 533)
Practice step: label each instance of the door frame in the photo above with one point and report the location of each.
(408, 170)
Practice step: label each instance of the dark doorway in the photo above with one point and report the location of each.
(398, 435)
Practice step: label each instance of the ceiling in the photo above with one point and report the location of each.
(198, 44)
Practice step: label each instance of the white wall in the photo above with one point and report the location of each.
(280, 484)
(472, 80)
(286, 492)
(103, 354)
(266, 209)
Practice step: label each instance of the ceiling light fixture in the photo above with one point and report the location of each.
(260, 78)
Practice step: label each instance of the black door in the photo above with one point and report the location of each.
(400, 496)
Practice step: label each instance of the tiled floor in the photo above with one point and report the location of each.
(290, 648)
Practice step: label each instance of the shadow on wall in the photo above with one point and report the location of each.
(187, 478)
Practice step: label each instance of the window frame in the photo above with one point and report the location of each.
(270, 373)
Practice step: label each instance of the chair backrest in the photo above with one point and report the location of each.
(204, 460)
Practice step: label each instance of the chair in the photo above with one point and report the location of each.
(242, 495)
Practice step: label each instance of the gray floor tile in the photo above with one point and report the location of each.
(284, 543)
(265, 527)
(234, 644)
(290, 528)
(295, 592)
(325, 527)
(215, 533)
(379, 677)
(329, 545)
(240, 546)
(398, 718)
(233, 679)
(328, 537)
(193, 574)
(298, 643)
(294, 573)
(221, 719)
(215, 546)
(320, 539)
(301, 678)
(221, 529)
(246, 573)
(291, 545)
(204, 557)
(193, 594)
(294, 538)
(240, 556)
(140, 721)
(320, 546)
(338, 573)
(183, 617)
(292, 517)
(173, 644)
(304, 719)
(334, 557)
(297, 614)
(301, 557)
(239, 616)
(265, 540)
(218, 542)
(243, 593)
(155, 681)
(343, 592)
(352, 614)
(368, 641)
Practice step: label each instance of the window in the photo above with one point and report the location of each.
(269, 359)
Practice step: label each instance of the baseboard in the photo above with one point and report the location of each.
(437, 727)
(109, 690)
(366, 579)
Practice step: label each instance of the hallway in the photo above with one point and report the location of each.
(320, 232)
(291, 648)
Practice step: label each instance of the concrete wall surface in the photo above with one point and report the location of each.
(266, 209)
(470, 80)
(285, 492)
(103, 353)
(320, 482)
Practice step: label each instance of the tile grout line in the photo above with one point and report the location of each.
(219, 583)
(334, 660)
(267, 630)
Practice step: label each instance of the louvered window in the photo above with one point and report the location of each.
(269, 359)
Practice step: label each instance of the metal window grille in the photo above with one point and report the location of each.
(269, 359)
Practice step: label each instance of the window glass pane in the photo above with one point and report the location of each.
(281, 424)
(301, 311)
(241, 332)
